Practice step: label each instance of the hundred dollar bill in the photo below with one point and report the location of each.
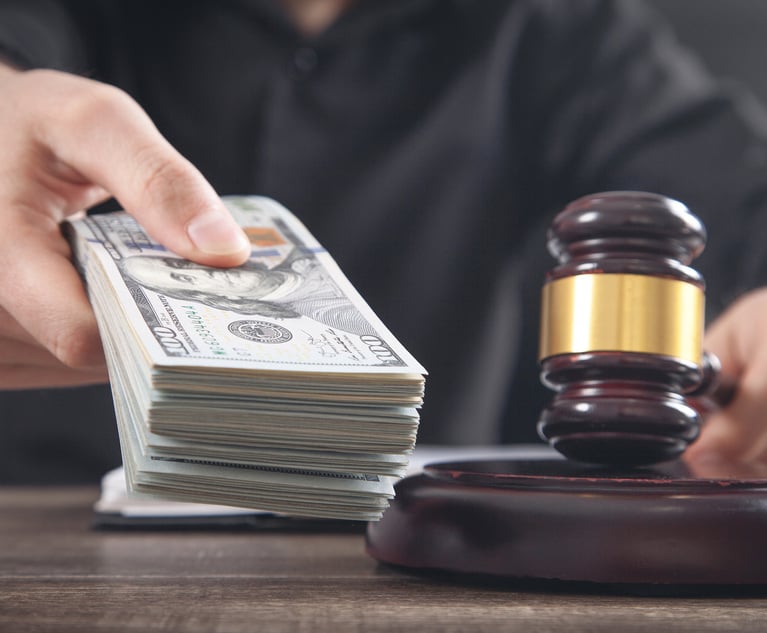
(283, 490)
(289, 307)
(271, 385)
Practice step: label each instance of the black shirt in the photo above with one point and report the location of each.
(426, 144)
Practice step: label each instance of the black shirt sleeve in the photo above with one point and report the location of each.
(613, 102)
(624, 106)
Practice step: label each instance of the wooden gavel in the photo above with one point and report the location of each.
(622, 331)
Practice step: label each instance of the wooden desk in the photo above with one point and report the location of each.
(57, 574)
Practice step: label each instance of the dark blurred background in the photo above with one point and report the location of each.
(730, 36)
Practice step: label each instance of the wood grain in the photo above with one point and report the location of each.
(58, 574)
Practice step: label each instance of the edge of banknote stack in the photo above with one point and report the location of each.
(271, 386)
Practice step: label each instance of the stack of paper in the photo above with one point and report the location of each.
(272, 385)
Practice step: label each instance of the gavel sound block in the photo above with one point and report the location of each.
(609, 501)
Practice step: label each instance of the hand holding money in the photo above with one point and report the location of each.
(69, 143)
(271, 385)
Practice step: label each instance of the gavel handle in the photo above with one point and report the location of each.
(716, 390)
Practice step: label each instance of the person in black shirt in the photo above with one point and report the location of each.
(425, 143)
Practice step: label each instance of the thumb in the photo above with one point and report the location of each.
(106, 136)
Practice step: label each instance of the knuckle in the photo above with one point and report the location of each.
(102, 101)
(85, 101)
(155, 171)
(161, 178)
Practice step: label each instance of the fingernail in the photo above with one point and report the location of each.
(215, 233)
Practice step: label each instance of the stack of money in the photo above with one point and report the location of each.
(272, 385)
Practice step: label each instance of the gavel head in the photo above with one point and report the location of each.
(622, 329)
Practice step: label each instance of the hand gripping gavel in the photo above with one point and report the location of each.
(622, 330)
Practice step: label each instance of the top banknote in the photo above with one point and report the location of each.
(288, 308)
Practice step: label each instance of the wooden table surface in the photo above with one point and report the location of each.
(59, 574)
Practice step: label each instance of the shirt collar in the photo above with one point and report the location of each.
(360, 16)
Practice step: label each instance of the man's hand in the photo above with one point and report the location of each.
(69, 143)
(739, 339)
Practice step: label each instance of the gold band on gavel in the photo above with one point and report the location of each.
(623, 313)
